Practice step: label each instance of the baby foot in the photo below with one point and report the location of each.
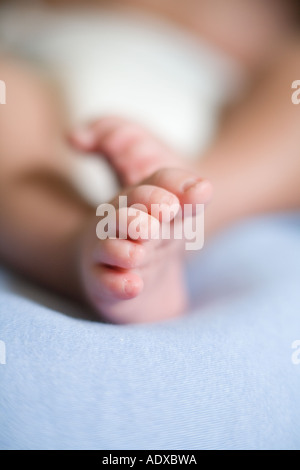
(132, 151)
(141, 280)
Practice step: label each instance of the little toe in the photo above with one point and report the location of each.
(112, 285)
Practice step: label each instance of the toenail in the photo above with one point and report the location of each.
(169, 200)
(206, 190)
(195, 184)
(128, 287)
(187, 185)
(136, 252)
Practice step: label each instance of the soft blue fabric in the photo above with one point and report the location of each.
(220, 378)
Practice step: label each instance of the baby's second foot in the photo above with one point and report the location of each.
(132, 151)
(129, 280)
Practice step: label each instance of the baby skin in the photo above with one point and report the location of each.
(253, 165)
(126, 280)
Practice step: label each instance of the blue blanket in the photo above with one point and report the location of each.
(220, 378)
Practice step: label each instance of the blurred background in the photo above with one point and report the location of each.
(171, 65)
(222, 376)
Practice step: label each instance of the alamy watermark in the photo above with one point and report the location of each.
(296, 353)
(296, 93)
(2, 353)
(161, 222)
(2, 92)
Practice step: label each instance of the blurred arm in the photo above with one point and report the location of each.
(254, 164)
(41, 216)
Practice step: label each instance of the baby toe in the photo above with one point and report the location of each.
(112, 285)
(123, 254)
